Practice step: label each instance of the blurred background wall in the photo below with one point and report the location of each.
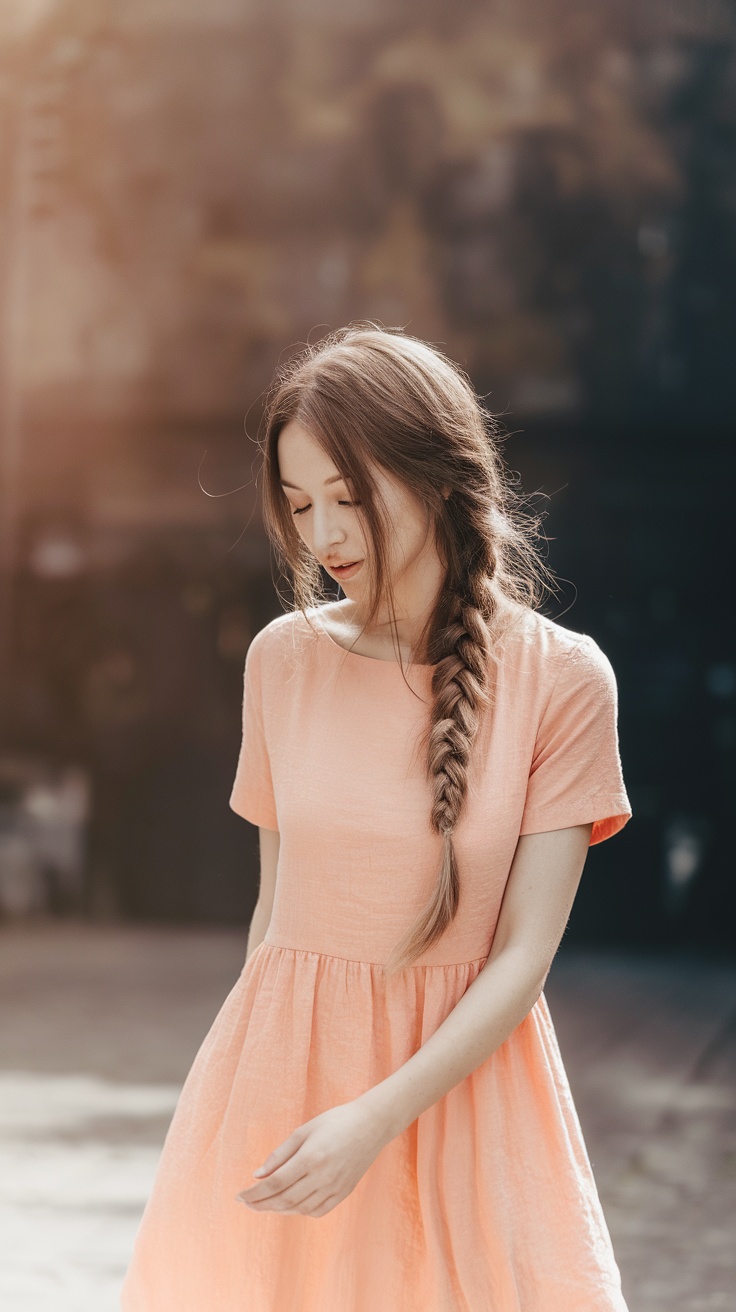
(190, 188)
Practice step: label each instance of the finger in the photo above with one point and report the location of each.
(325, 1206)
(271, 1188)
(280, 1155)
(292, 1200)
(306, 1205)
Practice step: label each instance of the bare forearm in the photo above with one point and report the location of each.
(536, 905)
(498, 999)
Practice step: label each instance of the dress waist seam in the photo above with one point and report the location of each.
(357, 961)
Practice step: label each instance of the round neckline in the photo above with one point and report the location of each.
(359, 655)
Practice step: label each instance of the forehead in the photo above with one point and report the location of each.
(301, 456)
(304, 463)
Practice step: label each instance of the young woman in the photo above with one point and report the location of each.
(379, 1119)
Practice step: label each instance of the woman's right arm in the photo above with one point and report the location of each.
(268, 841)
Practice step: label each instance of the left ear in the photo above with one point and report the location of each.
(446, 492)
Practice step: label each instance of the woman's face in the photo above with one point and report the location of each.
(329, 521)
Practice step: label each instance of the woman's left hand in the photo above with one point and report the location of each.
(320, 1163)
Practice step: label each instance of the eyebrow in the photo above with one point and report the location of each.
(336, 478)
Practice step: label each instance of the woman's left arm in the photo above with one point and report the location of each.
(321, 1162)
(537, 901)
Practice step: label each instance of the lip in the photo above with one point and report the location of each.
(345, 571)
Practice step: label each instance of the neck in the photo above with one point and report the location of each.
(415, 595)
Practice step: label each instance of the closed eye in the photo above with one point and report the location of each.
(302, 509)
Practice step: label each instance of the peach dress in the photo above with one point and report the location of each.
(487, 1201)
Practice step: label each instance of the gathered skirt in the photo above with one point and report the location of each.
(485, 1203)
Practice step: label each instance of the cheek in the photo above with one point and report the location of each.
(300, 527)
(411, 538)
(363, 537)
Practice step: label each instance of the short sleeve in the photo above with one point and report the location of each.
(252, 795)
(576, 774)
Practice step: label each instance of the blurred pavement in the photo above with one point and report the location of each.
(100, 1025)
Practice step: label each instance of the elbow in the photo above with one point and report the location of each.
(532, 995)
(540, 980)
(537, 992)
(535, 980)
(527, 973)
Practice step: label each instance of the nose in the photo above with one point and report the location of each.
(328, 535)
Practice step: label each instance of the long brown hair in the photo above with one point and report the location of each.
(374, 395)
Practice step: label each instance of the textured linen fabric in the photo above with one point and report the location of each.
(487, 1201)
